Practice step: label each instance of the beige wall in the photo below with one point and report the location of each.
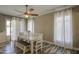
(75, 28)
(2, 23)
(3, 37)
(2, 29)
(44, 24)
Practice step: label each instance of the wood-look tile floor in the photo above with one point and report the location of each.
(9, 48)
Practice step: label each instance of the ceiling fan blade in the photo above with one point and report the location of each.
(34, 14)
(31, 9)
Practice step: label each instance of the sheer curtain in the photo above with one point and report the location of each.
(17, 26)
(7, 27)
(22, 25)
(13, 29)
(68, 29)
(30, 25)
(58, 28)
(63, 28)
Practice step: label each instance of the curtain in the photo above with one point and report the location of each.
(30, 25)
(22, 25)
(7, 27)
(8, 19)
(17, 26)
(13, 28)
(63, 28)
(68, 29)
(58, 28)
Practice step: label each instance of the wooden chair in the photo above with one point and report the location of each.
(39, 43)
(38, 46)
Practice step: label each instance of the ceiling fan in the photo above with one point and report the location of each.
(28, 12)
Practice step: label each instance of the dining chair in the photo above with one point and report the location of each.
(39, 43)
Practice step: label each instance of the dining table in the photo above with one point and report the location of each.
(31, 39)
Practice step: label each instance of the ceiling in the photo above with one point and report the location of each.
(38, 9)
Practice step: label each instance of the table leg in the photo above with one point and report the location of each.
(32, 47)
(41, 46)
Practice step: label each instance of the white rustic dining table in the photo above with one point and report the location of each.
(31, 39)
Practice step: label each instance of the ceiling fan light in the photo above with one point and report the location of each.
(26, 16)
